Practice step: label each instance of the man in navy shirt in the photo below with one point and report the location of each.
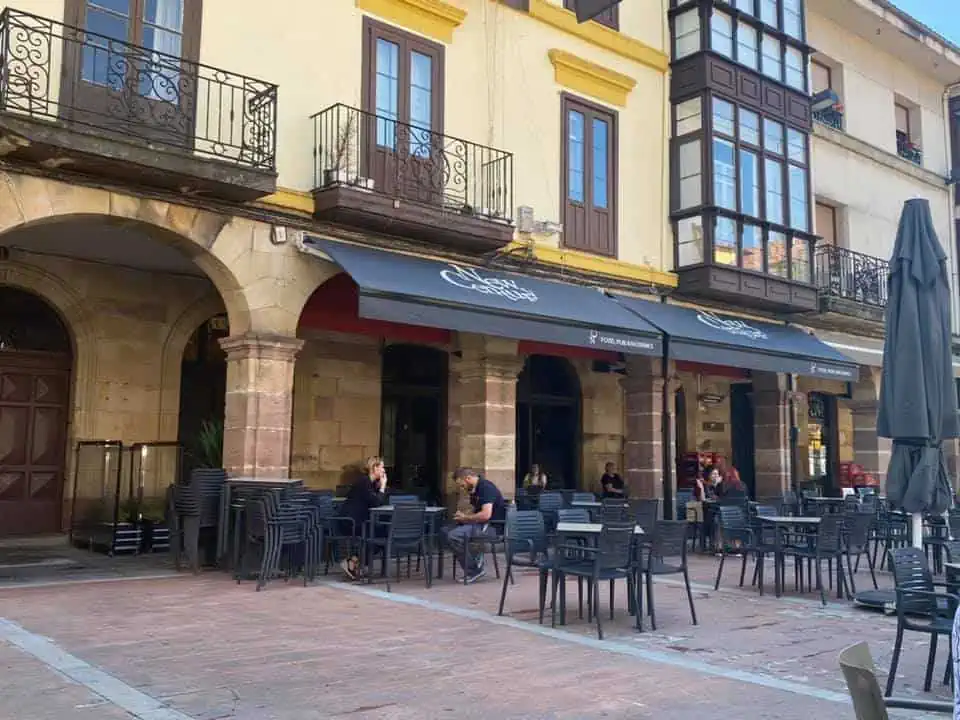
(488, 507)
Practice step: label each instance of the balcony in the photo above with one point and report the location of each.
(831, 117)
(851, 283)
(907, 150)
(99, 106)
(375, 173)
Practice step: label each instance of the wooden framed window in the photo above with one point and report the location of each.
(821, 77)
(609, 17)
(827, 224)
(589, 176)
(903, 120)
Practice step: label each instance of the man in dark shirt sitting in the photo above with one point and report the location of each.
(612, 484)
(488, 507)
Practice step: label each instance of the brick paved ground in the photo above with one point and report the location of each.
(212, 649)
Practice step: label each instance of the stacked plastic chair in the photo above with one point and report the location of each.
(191, 507)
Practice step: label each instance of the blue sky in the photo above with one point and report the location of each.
(941, 15)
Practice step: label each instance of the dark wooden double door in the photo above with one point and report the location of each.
(34, 398)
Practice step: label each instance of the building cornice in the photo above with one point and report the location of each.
(433, 18)
(589, 78)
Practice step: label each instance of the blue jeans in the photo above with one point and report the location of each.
(459, 537)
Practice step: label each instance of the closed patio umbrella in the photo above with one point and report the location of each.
(918, 402)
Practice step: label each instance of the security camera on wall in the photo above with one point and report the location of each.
(589, 9)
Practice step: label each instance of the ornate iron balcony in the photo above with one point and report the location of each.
(108, 87)
(849, 275)
(831, 117)
(908, 151)
(379, 154)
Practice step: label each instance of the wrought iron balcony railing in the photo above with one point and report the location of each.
(379, 154)
(831, 117)
(849, 275)
(908, 151)
(112, 88)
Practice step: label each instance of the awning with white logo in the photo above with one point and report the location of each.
(434, 293)
(716, 339)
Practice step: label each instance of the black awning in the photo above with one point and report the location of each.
(716, 339)
(441, 294)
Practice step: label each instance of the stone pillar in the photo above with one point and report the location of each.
(487, 371)
(869, 451)
(602, 423)
(259, 404)
(643, 441)
(771, 435)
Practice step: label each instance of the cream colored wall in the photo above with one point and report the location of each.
(872, 77)
(499, 91)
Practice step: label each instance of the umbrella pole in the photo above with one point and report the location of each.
(917, 534)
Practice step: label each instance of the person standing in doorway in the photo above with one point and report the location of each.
(611, 484)
(535, 480)
(488, 507)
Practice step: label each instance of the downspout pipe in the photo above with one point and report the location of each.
(794, 434)
(666, 431)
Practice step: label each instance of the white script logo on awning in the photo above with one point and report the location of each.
(734, 327)
(471, 279)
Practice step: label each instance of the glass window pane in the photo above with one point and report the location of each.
(749, 183)
(772, 66)
(773, 136)
(820, 76)
(792, 19)
(725, 241)
(724, 175)
(747, 45)
(575, 156)
(826, 224)
(600, 163)
(794, 76)
(777, 254)
(722, 117)
(687, 28)
(749, 127)
(689, 116)
(768, 12)
(421, 77)
(903, 119)
(800, 256)
(747, 6)
(690, 241)
(167, 14)
(387, 92)
(751, 244)
(799, 198)
(100, 65)
(796, 146)
(721, 34)
(690, 159)
(773, 176)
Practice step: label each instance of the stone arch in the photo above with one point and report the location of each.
(173, 348)
(27, 201)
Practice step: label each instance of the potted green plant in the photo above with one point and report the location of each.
(207, 451)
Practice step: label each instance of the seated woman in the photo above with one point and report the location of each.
(535, 481)
(366, 492)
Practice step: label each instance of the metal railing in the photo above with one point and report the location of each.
(831, 117)
(382, 155)
(849, 275)
(112, 88)
(908, 151)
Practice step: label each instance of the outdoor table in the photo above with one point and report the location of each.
(227, 526)
(434, 514)
(586, 504)
(575, 528)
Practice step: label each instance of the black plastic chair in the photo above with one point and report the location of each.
(614, 510)
(406, 536)
(868, 703)
(667, 556)
(583, 497)
(920, 608)
(525, 544)
(827, 545)
(734, 528)
(549, 503)
(611, 559)
(856, 544)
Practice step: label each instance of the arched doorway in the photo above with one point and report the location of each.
(203, 386)
(548, 420)
(413, 420)
(35, 367)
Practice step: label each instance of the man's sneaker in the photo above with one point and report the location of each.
(476, 576)
(347, 570)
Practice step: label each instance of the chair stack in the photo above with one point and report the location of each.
(192, 507)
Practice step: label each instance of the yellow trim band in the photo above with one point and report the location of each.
(599, 35)
(433, 18)
(590, 79)
(595, 264)
(289, 199)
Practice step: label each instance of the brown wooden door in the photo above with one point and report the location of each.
(34, 394)
(404, 147)
(131, 68)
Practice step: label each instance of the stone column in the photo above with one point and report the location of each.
(487, 371)
(259, 404)
(771, 435)
(643, 441)
(869, 451)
